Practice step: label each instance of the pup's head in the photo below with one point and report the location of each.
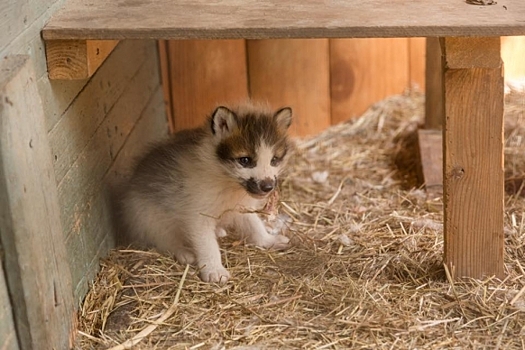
(252, 145)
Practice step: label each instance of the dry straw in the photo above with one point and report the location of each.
(365, 270)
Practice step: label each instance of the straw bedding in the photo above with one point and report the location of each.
(365, 270)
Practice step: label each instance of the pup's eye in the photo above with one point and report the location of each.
(244, 161)
(275, 161)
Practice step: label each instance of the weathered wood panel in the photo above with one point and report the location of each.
(473, 157)
(30, 229)
(293, 73)
(76, 125)
(8, 339)
(229, 19)
(15, 16)
(364, 71)
(203, 74)
(84, 178)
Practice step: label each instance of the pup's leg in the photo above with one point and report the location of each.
(251, 227)
(207, 253)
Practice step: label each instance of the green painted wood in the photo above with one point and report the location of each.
(30, 230)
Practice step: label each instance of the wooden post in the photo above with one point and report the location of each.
(35, 257)
(293, 72)
(473, 156)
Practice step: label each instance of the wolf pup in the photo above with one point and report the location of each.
(184, 192)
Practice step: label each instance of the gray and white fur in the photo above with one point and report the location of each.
(186, 191)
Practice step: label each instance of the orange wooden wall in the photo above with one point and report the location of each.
(325, 81)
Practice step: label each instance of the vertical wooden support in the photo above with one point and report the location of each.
(364, 71)
(473, 156)
(293, 72)
(36, 264)
(434, 112)
(203, 74)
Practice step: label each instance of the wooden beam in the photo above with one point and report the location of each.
(294, 73)
(76, 59)
(31, 234)
(473, 156)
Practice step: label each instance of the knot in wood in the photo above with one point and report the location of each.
(457, 173)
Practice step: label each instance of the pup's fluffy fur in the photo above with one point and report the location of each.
(187, 190)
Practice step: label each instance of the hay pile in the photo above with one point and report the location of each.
(365, 270)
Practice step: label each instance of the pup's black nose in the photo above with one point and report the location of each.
(266, 185)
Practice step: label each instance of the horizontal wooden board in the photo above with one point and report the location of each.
(256, 19)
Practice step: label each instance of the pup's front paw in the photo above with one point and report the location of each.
(185, 257)
(277, 242)
(214, 274)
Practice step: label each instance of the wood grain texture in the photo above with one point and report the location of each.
(30, 231)
(364, 71)
(73, 129)
(434, 108)
(473, 157)
(16, 15)
(203, 74)
(256, 19)
(76, 59)
(293, 73)
(8, 339)
(95, 220)
(82, 194)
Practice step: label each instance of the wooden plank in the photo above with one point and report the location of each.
(204, 73)
(96, 220)
(76, 59)
(431, 157)
(416, 62)
(30, 230)
(230, 19)
(73, 130)
(293, 73)
(358, 68)
(473, 157)
(8, 339)
(84, 177)
(434, 112)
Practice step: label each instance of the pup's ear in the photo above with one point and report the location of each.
(223, 122)
(283, 117)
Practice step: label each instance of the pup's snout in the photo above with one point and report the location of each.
(260, 187)
(267, 185)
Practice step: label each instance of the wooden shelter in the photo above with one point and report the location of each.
(78, 101)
